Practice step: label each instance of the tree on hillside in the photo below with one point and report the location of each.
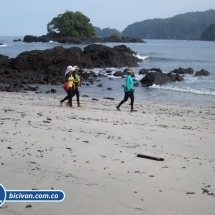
(116, 35)
(71, 24)
(209, 33)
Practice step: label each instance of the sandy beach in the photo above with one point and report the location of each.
(90, 153)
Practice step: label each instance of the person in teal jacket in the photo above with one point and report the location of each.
(128, 90)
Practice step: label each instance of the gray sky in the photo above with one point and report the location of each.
(30, 17)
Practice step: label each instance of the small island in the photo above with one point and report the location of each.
(75, 28)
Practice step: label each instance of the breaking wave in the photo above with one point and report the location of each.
(184, 90)
(4, 45)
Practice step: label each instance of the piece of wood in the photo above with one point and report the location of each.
(150, 157)
(108, 98)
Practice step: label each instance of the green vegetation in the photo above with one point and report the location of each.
(71, 24)
(105, 32)
(209, 33)
(188, 26)
(116, 35)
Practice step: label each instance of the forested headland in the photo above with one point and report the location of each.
(188, 26)
(209, 33)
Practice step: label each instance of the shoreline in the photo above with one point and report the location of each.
(90, 153)
(141, 94)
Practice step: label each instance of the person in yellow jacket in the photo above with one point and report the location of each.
(77, 83)
(70, 79)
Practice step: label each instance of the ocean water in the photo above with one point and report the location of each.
(164, 54)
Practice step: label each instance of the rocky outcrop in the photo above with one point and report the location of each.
(79, 40)
(92, 56)
(4, 61)
(102, 56)
(19, 40)
(202, 72)
(48, 66)
(183, 71)
(122, 74)
(159, 78)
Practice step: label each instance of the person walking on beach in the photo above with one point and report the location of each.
(128, 90)
(69, 78)
(77, 82)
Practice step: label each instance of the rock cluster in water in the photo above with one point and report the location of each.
(157, 77)
(48, 66)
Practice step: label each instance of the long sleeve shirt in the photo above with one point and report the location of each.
(129, 83)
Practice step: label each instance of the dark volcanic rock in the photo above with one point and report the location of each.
(4, 61)
(104, 56)
(117, 73)
(80, 39)
(38, 60)
(175, 77)
(159, 78)
(202, 72)
(122, 74)
(19, 40)
(53, 91)
(33, 39)
(51, 61)
(183, 71)
(48, 66)
(144, 71)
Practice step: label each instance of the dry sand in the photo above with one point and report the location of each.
(91, 154)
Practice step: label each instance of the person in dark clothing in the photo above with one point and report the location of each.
(128, 90)
(70, 79)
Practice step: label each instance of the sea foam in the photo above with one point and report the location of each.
(184, 90)
(141, 57)
(4, 45)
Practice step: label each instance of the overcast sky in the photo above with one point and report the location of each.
(30, 17)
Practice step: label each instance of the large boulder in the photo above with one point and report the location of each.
(117, 74)
(104, 56)
(144, 71)
(40, 60)
(34, 39)
(159, 78)
(202, 72)
(183, 71)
